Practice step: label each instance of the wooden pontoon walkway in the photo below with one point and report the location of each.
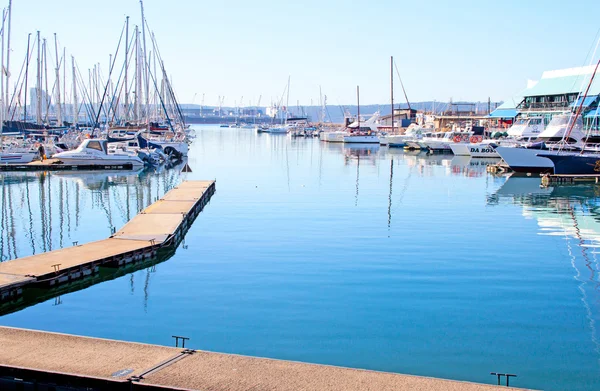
(160, 225)
(36, 358)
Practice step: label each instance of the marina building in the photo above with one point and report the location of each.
(402, 118)
(557, 91)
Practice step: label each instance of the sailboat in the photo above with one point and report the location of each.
(362, 134)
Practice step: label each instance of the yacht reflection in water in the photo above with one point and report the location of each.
(470, 167)
(572, 213)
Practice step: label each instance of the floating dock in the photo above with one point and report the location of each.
(40, 360)
(57, 165)
(499, 168)
(160, 226)
(553, 179)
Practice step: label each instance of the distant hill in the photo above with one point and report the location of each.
(335, 113)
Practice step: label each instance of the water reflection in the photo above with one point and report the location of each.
(53, 209)
(470, 167)
(571, 213)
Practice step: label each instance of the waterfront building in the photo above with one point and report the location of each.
(556, 92)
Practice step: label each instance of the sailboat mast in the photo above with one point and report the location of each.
(75, 103)
(126, 68)
(64, 80)
(45, 58)
(2, 102)
(58, 103)
(287, 101)
(392, 88)
(146, 67)
(358, 108)
(138, 77)
(38, 87)
(26, 77)
(8, 52)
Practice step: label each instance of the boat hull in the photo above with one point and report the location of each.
(575, 164)
(333, 137)
(277, 130)
(481, 150)
(82, 159)
(527, 160)
(361, 139)
(460, 149)
(17, 157)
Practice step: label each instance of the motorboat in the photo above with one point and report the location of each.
(93, 152)
(15, 157)
(526, 129)
(413, 132)
(526, 158)
(476, 148)
(441, 141)
(336, 136)
(363, 132)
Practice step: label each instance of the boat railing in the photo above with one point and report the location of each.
(543, 105)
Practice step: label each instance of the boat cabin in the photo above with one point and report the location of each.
(93, 145)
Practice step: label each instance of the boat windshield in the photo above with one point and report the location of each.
(555, 139)
(535, 121)
(95, 145)
(559, 120)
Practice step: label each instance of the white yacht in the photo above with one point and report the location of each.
(15, 150)
(363, 132)
(15, 157)
(441, 141)
(95, 152)
(476, 149)
(525, 159)
(526, 129)
(336, 136)
(413, 132)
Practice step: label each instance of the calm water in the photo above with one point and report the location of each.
(362, 257)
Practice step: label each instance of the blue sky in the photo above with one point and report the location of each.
(466, 50)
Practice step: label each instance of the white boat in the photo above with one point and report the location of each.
(170, 144)
(441, 141)
(412, 133)
(483, 149)
(335, 136)
(277, 129)
(523, 131)
(526, 128)
(93, 152)
(551, 141)
(363, 132)
(13, 157)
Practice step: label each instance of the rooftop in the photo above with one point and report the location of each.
(565, 81)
